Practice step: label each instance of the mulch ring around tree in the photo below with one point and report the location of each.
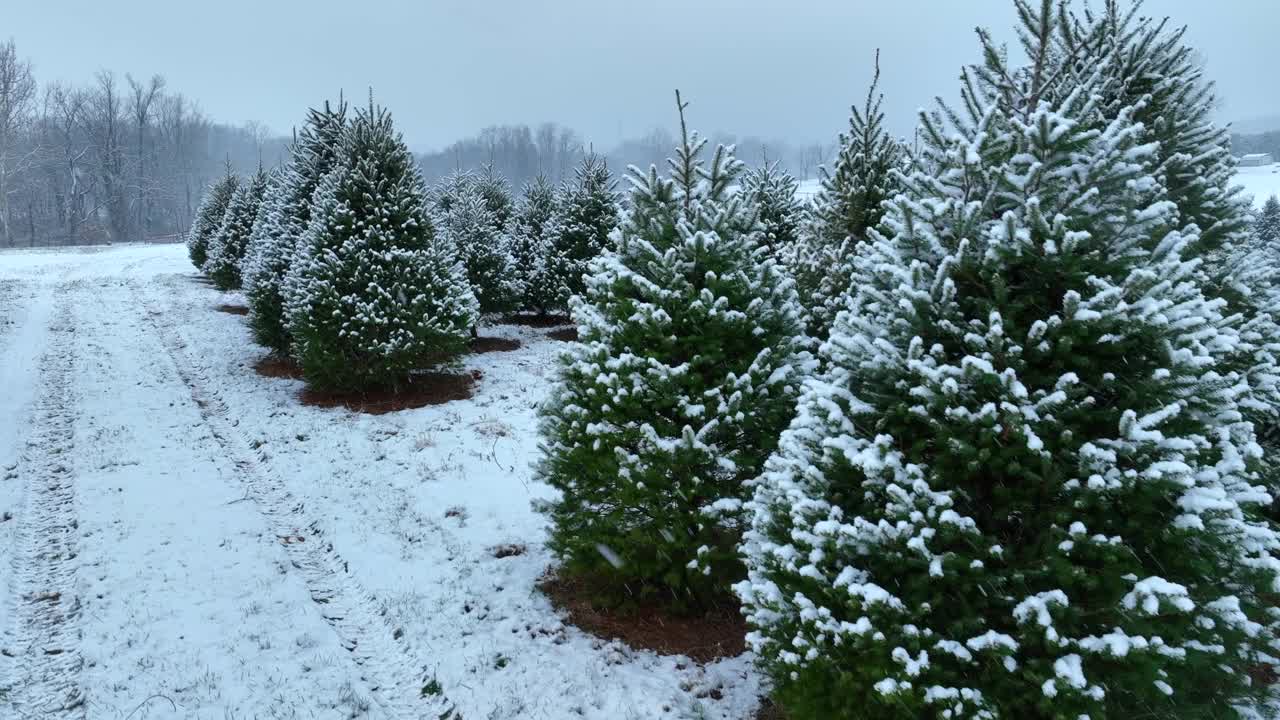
(233, 309)
(535, 321)
(273, 366)
(485, 344)
(420, 390)
(714, 634)
(564, 334)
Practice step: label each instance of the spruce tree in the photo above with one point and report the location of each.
(372, 295)
(496, 194)
(1267, 225)
(1022, 486)
(773, 192)
(686, 372)
(209, 217)
(1151, 67)
(849, 204)
(449, 188)
(579, 232)
(286, 212)
(469, 228)
(228, 245)
(530, 244)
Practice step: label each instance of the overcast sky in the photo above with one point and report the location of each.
(446, 68)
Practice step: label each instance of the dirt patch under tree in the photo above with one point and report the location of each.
(420, 390)
(484, 344)
(714, 634)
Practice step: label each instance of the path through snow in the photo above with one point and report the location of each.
(235, 554)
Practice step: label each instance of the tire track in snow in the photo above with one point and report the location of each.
(42, 644)
(391, 666)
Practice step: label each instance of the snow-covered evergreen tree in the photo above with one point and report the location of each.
(448, 189)
(773, 192)
(1152, 67)
(228, 245)
(286, 212)
(579, 233)
(469, 228)
(686, 372)
(1267, 224)
(209, 217)
(1022, 486)
(371, 294)
(531, 245)
(849, 204)
(496, 193)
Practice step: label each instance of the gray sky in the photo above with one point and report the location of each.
(785, 69)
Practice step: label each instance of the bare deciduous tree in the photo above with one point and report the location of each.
(17, 93)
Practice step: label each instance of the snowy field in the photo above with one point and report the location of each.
(182, 538)
(1260, 182)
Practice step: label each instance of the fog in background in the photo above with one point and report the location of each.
(605, 68)
(115, 116)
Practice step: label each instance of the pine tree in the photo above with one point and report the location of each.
(579, 233)
(1151, 66)
(496, 193)
(1267, 225)
(773, 191)
(209, 217)
(286, 212)
(686, 372)
(469, 228)
(849, 204)
(228, 245)
(530, 243)
(446, 192)
(1021, 486)
(372, 295)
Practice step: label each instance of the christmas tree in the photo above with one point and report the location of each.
(285, 215)
(531, 246)
(446, 192)
(496, 194)
(849, 204)
(579, 232)
(1151, 67)
(686, 372)
(773, 192)
(209, 217)
(469, 228)
(1022, 486)
(1267, 225)
(227, 246)
(372, 295)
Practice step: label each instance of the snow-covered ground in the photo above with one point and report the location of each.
(185, 539)
(1260, 182)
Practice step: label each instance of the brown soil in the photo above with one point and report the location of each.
(421, 390)
(278, 367)
(493, 344)
(716, 634)
(509, 550)
(769, 711)
(564, 335)
(233, 309)
(537, 321)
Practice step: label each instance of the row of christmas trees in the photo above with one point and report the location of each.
(357, 270)
(988, 431)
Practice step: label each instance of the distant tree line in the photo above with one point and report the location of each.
(1265, 142)
(520, 153)
(115, 159)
